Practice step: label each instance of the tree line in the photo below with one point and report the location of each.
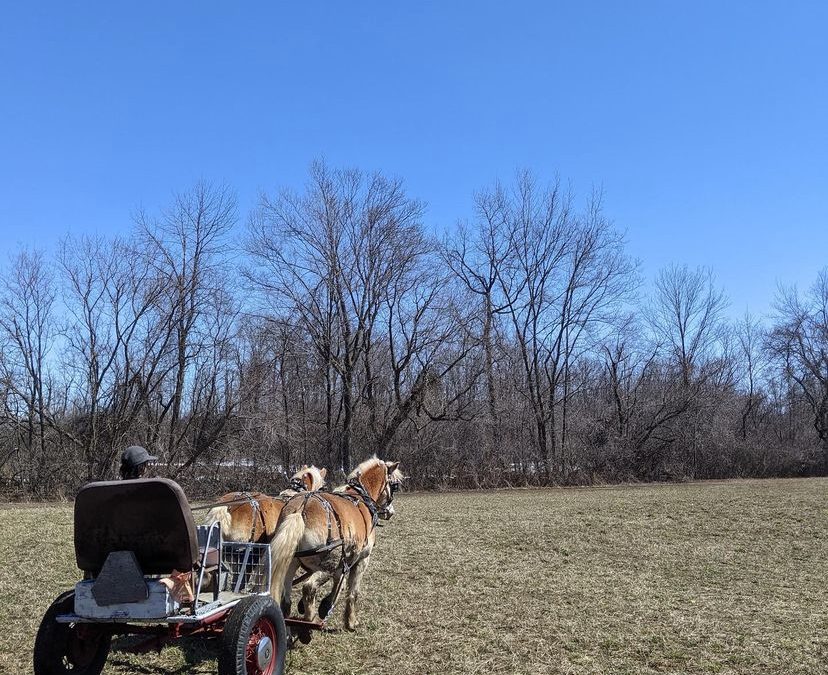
(519, 348)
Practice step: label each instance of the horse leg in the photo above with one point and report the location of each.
(310, 589)
(354, 580)
(288, 587)
(330, 599)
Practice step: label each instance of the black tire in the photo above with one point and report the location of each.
(253, 620)
(76, 649)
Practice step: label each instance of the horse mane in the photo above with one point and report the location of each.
(369, 464)
(318, 478)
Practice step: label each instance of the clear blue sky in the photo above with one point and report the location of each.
(706, 123)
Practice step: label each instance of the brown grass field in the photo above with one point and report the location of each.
(725, 577)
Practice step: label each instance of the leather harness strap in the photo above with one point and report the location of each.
(361, 496)
(369, 502)
(330, 543)
(246, 497)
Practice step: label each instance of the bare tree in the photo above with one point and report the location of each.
(329, 255)
(559, 276)
(799, 340)
(753, 358)
(686, 318)
(186, 246)
(27, 332)
(477, 256)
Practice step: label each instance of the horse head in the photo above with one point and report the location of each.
(308, 479)
(380, 480)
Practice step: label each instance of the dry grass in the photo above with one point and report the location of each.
(701, 578)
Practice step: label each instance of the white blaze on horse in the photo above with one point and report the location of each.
(253, 516)
(334, 533)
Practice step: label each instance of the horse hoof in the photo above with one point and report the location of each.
(324, 608)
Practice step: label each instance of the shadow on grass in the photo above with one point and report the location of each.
(195, 650)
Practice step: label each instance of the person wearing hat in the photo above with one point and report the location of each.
(134, 462)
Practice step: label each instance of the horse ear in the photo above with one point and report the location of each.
(392, 467)
(323, 472)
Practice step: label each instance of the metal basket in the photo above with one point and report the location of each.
(246, 567)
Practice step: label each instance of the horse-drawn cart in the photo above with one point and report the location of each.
(149, 571)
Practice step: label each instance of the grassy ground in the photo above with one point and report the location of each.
(700, 578)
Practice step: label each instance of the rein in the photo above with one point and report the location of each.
(232, 502)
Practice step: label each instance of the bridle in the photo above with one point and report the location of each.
(376, 509)
(391, 487)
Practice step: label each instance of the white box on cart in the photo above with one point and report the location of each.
(158, 605)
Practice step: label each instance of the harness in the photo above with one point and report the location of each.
(346, 561)
(332, 516)
(369, 502)
(257, 511)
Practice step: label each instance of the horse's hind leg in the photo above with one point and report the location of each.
(354, 580)
(330, 599)
(310, 589)
(288, 587)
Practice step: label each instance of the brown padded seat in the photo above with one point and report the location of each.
(149, 516)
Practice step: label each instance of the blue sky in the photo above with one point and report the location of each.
(705, 123)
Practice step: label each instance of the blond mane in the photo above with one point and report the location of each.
(369, 464)
(317, 479)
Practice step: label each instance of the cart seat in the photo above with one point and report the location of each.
(150, 517)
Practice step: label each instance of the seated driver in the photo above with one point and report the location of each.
(134, 462)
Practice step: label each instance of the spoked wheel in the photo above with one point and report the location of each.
(79, 648)
(254, 641)
(261, 647)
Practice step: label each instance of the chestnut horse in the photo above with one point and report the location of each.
(252, 516)
(333, 533)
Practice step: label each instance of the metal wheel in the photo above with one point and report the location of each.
(254, 640)
(261, 647)
(60, 648)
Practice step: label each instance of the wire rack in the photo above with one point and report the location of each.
(245, 567)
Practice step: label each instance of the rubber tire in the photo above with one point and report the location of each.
(51, 642)
(236, 634)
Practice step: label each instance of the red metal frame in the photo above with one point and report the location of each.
(211, 626)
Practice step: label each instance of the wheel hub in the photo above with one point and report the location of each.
(264, 652)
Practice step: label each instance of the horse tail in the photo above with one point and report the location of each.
(282, 548)
(220, 515)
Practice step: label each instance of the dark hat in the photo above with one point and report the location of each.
(135, 455)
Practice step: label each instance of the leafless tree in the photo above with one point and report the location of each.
(329, 256)
(27, 333)
(753, 360)
(186, 247)
(476, 256)
(799, 340)
(559, 276)
(686, 318)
